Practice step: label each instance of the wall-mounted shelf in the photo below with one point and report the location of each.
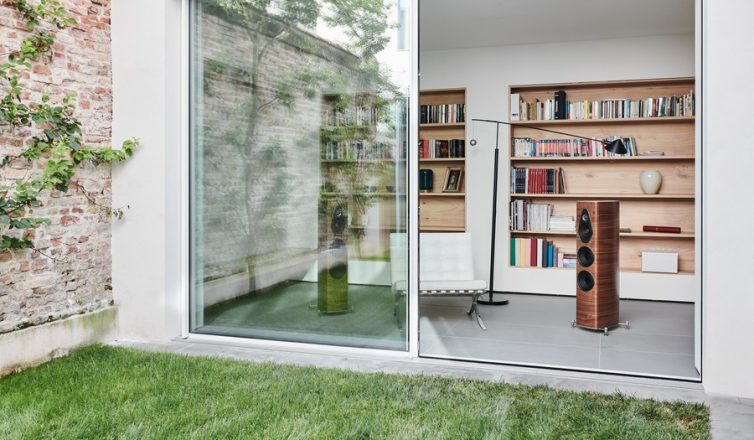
(617, 178)
(442, 211)
(659, 235)
(661, 120)
(603, 159)
(444, 159)
(447, 125)
(617, 196)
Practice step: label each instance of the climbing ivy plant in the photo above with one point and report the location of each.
(51, 134)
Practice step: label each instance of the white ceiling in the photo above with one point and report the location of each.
(455, 24)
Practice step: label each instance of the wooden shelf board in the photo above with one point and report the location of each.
(663, 119)
(346, 161)
(684, 235)
(448, 194)
(449, 125)
(642, 234)
(622, 270)
(564, 233)
(442, 229)
(442, 91)
(360, 194)
(594, 196)
(601, 159)
(444, 159)
(611, 83)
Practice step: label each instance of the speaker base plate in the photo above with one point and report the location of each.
(605, 330)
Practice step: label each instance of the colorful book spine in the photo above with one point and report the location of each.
(535, 252)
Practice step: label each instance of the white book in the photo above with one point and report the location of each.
(515, 107)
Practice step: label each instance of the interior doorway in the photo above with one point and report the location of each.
(508, 61)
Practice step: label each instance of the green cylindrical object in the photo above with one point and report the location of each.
(333, 279)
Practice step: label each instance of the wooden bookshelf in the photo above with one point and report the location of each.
(617, 178)
(442, 211)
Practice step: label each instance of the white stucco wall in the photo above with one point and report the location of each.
(148, 244)
(728, 349)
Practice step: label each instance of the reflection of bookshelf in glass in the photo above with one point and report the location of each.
(358, 158)
(442, 146)
(656, 120)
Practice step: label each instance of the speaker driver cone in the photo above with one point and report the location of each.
(585, 227)
(585, 256)
(585, 281)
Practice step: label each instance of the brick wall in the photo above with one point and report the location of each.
(35, 289)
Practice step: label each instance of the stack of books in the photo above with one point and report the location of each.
(562, 224)
(569, 261)
(442, 114)
(528, 147)
(527, 216)
(441, 148)
(537, 181)
(535, 252)
(623, 108)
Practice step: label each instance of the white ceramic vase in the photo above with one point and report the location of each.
(650, 181)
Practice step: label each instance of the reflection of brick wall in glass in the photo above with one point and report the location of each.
(260, 171)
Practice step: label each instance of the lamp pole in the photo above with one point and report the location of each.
(615, 146)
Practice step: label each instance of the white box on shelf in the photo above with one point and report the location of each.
(659, 261)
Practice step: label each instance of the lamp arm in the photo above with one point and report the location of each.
(604, 142)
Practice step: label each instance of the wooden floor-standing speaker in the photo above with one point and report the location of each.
(597, 270)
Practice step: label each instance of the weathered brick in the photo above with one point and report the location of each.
(35, 289)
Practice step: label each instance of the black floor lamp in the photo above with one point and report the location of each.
(615, 146)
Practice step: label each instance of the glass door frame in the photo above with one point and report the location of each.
(413, 199)
(412, 167)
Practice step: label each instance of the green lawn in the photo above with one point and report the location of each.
(103, 392)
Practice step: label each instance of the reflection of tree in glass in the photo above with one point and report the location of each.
(251, 146)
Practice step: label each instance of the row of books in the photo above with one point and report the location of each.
(441, 148)
(357, 150)
(560, 108)
(537, 181)
(528, 216)
(538, 252)
(349, 116)
(528, 147)
(442, 114)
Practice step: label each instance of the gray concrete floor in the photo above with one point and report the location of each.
(732, 418)
(536, 330)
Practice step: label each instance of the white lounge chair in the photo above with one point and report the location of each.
(446, 268)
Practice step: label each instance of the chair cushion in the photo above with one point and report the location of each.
(446, 256)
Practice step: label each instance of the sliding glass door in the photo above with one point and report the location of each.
(298, 170)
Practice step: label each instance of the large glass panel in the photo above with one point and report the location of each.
(299, 139)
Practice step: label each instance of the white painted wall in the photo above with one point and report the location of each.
(486, 73)
(147, 245)
(147, 104)
(728, 307)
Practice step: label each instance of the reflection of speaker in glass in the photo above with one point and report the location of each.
(597, 297)
(332, 280)
(426, 180)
